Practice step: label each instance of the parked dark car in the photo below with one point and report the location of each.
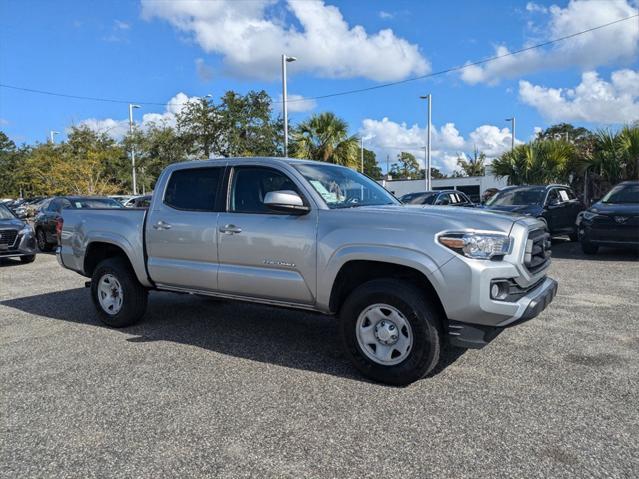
(556, 205)
(440, 197)
(613, 221)
(48, 220)
(16, 237)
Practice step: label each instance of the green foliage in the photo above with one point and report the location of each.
(406, 167)
(371, 168)
(324, 137)
(539, 162)
(472, 166)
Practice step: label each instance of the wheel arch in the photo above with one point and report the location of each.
(355, 272)
(98, 250)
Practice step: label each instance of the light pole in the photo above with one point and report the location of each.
(131, 107)
(427, 175)
(361, 155)
(512, 139)
(52, 133)
(285, 59)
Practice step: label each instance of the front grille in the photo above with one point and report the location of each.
(538, 248)
(8, 237)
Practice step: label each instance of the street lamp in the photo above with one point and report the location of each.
(52, 133)
(427, 175)
(285, 59)
(131, 107)
(512, 138)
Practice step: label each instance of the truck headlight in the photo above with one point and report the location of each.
(477, 245)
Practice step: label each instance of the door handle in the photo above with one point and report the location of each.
(230, 229)
(162, 225)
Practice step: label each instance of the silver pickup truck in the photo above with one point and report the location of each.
(404, 281)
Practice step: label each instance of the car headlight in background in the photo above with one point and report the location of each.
(477, 245)
(589, 215)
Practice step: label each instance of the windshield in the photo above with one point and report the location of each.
(342, 187)
(94, 203)
(419, 198)
(518, 196)
(5, 213)
(622, 194)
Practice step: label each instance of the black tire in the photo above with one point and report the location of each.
(588, 248)
(424, 320)
(574, 236)
(134, 295)
(42, 241)
(28, 259)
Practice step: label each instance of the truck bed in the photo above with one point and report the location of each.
(120, 227)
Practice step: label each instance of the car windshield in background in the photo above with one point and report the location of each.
(518, 196)
(419, 199)
(622, 194)
(344, 188)
(79, 203)
(5, 213)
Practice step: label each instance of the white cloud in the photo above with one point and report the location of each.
(118, 128)
(251, 36)
(204, 72)
(3, 122)
(593, 100)
(120, 25)
(535, 7)
(613, 44)
(298, 104)
(387, 137)
(386, 15)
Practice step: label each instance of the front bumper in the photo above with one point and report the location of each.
(25, 245)
(477, 336)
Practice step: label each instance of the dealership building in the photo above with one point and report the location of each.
(473, 186)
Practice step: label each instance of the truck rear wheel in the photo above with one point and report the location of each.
(391, 332)
(117, 294)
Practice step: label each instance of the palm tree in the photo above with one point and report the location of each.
(324, 137)
(473, 166)
(539, 162)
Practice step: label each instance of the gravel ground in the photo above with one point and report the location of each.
(221, 389)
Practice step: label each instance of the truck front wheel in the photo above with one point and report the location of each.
(391, 332)
(117, 294)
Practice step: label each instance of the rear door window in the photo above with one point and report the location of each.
(194, 189)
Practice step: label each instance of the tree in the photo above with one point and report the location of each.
(10, 158)
(371, 168)
(474, 166)
(324, 137)
(539, 162)
(406, 167)
(246, 126)
(200, 125)
(156, 146)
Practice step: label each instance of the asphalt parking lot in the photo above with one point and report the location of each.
(221, 389)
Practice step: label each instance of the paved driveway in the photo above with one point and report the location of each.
(221, 389)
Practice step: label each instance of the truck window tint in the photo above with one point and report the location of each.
(250, 186)
(193, 189)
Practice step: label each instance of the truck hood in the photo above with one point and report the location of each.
(449, 217)
(533, 209)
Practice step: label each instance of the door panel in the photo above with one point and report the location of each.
(263, 253)
(274, 256)
(181, 231)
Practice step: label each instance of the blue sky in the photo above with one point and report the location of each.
(152, 50)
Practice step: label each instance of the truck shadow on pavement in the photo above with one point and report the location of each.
(283, 337)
